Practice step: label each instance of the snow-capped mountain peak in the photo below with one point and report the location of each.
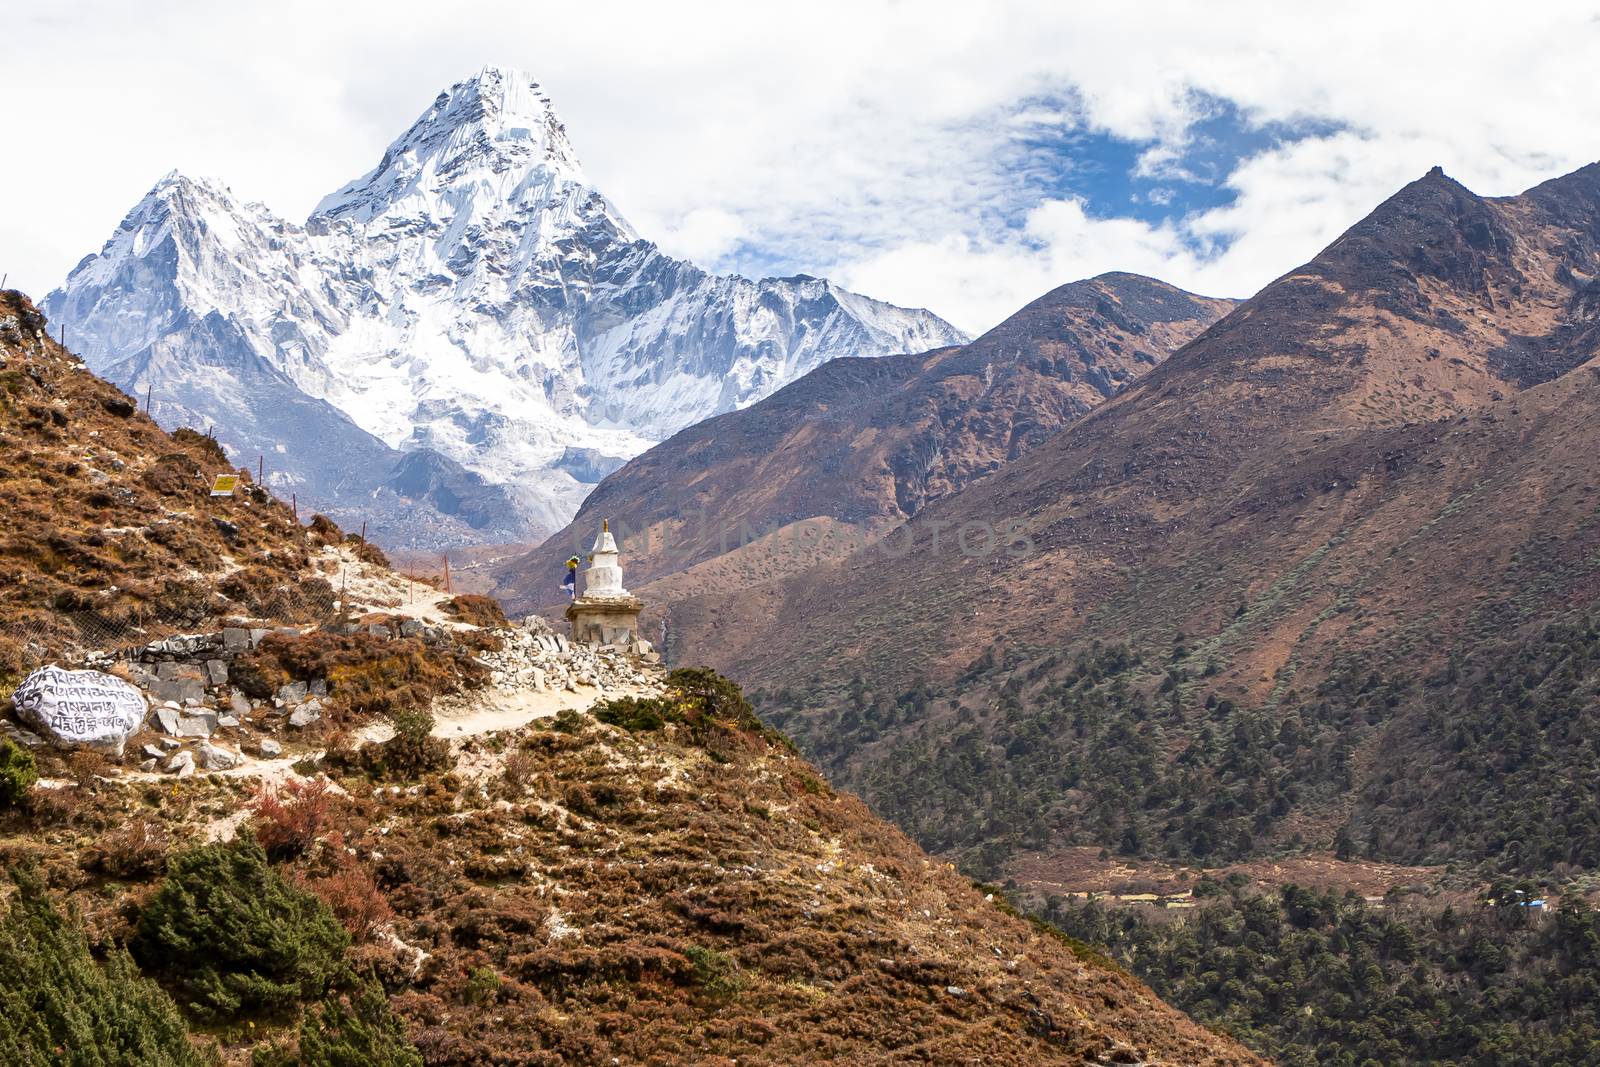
(472, 295)
(490, 142)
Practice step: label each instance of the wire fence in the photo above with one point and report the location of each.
(68, 637)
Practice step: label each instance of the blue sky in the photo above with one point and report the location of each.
(1052, 154)
(962, 157)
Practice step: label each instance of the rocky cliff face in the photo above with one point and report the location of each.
(473, 295)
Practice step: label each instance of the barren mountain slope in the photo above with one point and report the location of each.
(1325, 401)
(1287, 556)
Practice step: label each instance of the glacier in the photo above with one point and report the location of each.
(432, 348)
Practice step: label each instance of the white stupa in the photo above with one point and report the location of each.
(604, 576)
(606, 614)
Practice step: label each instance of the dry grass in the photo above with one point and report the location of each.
(583, 893)
(109, 518)
(367, 674)
(476, 609)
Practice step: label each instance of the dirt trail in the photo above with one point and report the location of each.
(487, 711)
(482, 712)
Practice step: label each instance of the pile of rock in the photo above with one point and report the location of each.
(188, 679)
(535, 656)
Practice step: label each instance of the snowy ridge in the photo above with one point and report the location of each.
(472, 295)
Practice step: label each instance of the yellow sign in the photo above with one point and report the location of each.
(225, 485)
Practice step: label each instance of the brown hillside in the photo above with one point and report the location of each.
(858, 445)
(1381, 465)
(1322, 416)
(111, 531)
(572, 893)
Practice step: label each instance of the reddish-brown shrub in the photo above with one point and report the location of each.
(520, 768)
(195, 441)
(270, 593)
(476, 609)
(287, 821)
(326, 529)
(366, 674)
(367, 552)
(353, 895)
(61, 807)
(137, 849)
(174, 474)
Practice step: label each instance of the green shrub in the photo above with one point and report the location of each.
(715, 972)
(233, 937)
(712, 709)
(711, 694)
(355, 1030)
(483, 986)
(58, 1007)
(634, 713)
(17, 773)
(412, 752)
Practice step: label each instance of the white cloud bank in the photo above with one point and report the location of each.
(877, 143)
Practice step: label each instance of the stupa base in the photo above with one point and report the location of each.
(605, 620)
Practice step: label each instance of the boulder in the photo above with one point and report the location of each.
(187, 724)
(25, 738)
(239, 704)
(216, 672)
(178, 690)
(306, 714)
(290, 694)
(235, 638)
(181, 764)
(270, 749)
(213, 758)
(80, 709)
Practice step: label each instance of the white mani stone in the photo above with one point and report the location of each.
(80, 709)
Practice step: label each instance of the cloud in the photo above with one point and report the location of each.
(939, 153)
(703, 234)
